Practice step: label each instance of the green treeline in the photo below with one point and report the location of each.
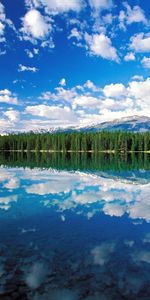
(99, 141)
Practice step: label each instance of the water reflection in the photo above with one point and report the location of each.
(74, 234)
(81, 192)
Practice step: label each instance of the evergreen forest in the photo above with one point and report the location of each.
(77, 142)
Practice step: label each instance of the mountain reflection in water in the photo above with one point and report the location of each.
(71, 232)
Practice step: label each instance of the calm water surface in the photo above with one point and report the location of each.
(74, 234)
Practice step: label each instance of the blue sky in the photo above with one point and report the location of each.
(73, 62)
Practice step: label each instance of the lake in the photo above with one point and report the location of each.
(74, 227)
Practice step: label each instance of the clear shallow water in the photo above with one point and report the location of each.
(73, 235)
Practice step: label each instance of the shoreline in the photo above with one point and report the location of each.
(74, 151)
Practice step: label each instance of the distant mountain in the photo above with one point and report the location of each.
(134, 124)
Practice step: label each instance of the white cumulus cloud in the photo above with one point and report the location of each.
(101, 4)
(59, 6)
(7, 96)
(146, 62)
(4, 23)
(54, 113)
(131, 15)
(35, 26)
(114, 90)
(101, 45)
(140, 43)
(12, 115)
(129, 56)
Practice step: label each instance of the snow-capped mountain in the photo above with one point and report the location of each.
(134, 124)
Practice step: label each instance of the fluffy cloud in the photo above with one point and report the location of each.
(4, 23)
(59, 6)
(129, 56)
(86, 101)
(141, 208)
(12, 183)
(23, 68)
(131, 15)
(5, 202)
(146, 62)
(56, 185)
(114, 209)
(114, 90)
(93, 104)
(75, 33)
(5, 126)
(12, 115)
(9, 120)
(35, 26)
(101, 254)
(101, 45)
(61, 94)
(140, 43)
(81, 105)
(113, 194)
(140, 90)
(77, 96)
(101, 4)
(91, 86)
(53, 113)
(135, 15)
(7, 96)
(62, 82)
